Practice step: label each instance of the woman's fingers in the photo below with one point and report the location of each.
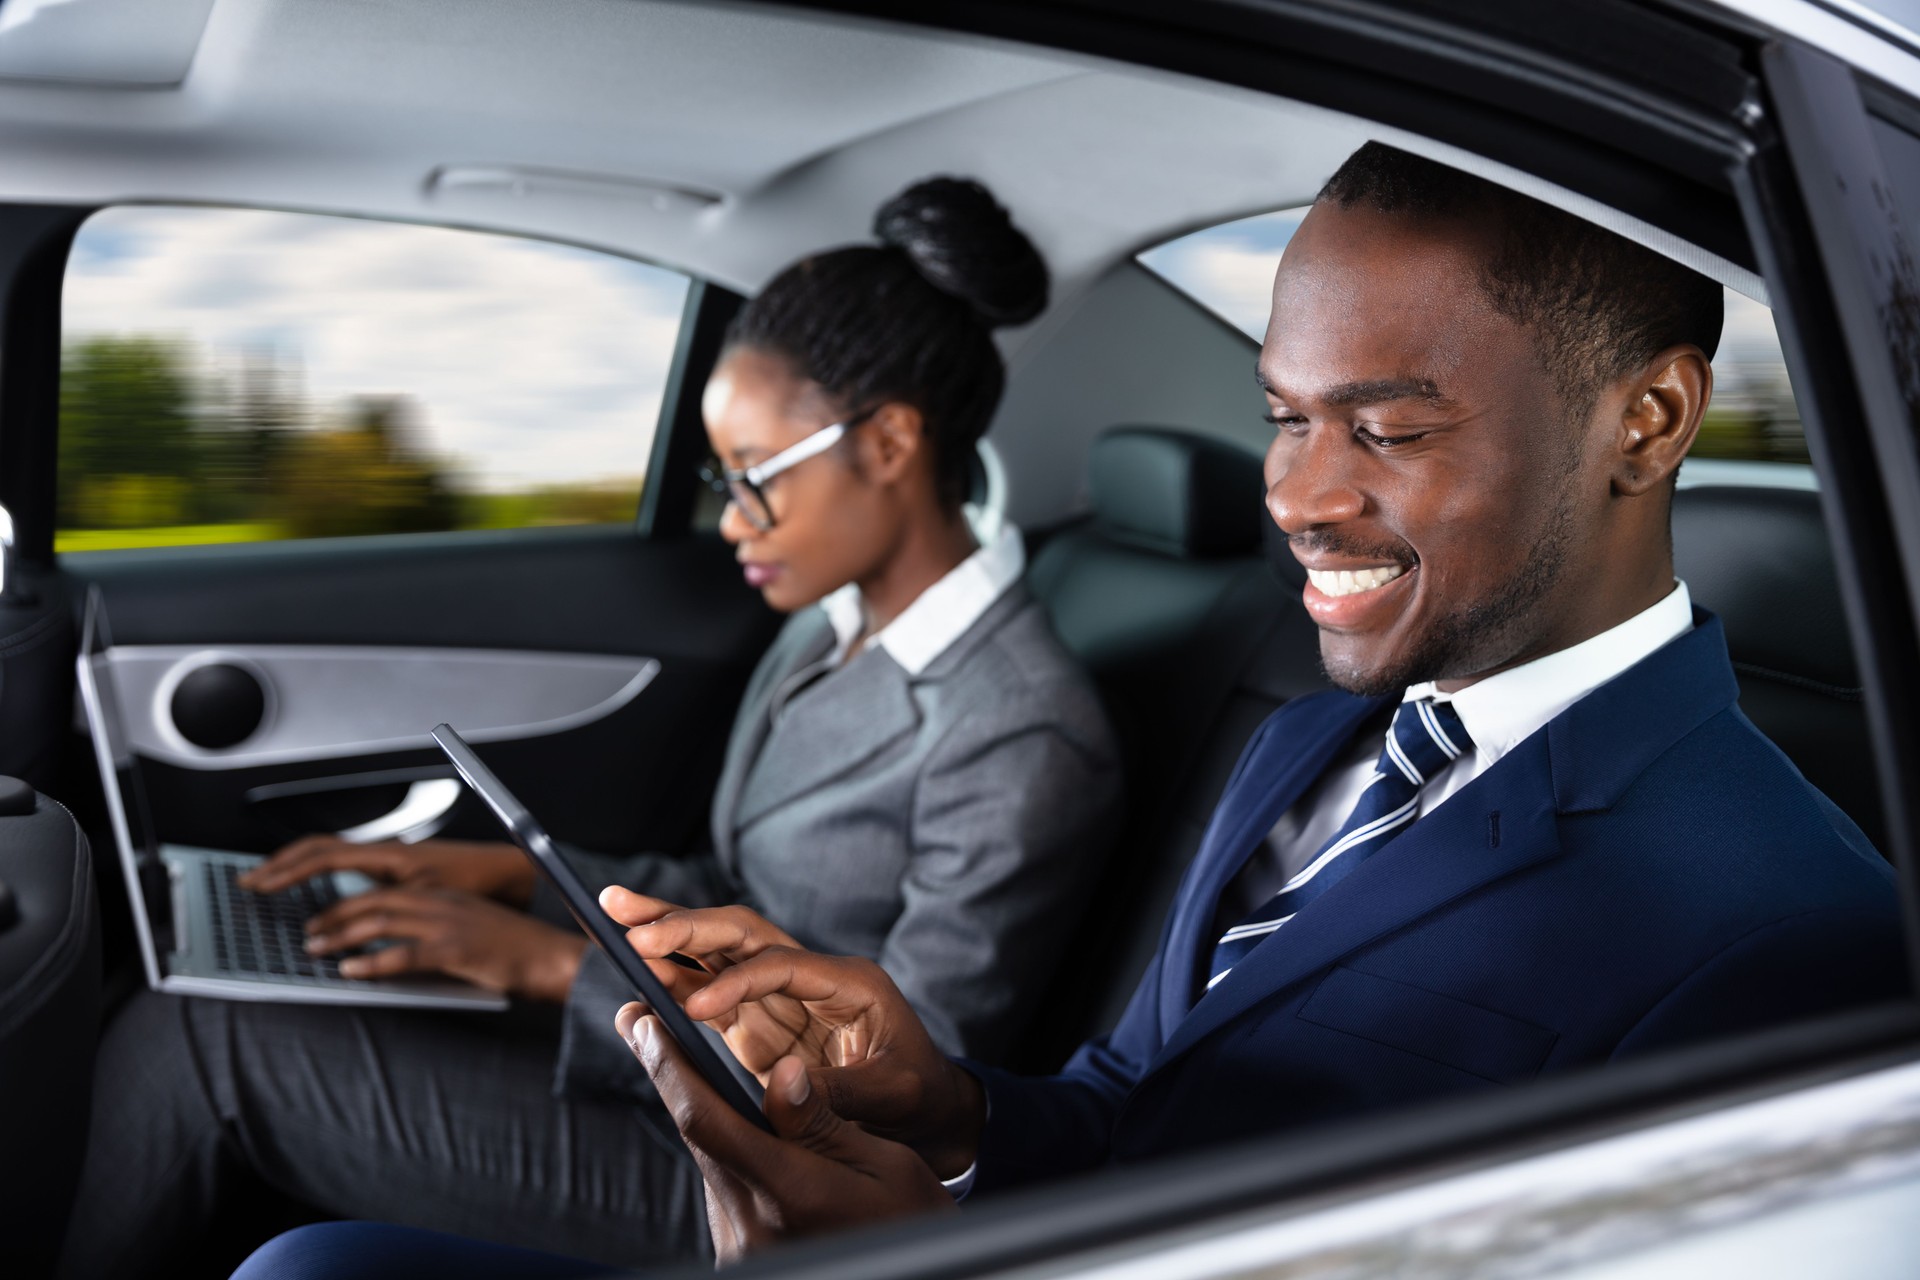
(387, 962)
(318, 855)
(371, 917)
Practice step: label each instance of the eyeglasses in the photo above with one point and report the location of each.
(746, 488)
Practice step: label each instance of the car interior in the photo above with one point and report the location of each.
(719, 143)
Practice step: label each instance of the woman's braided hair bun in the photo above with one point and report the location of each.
(910, 318)
(965, 244)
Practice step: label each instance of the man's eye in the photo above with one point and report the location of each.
(1283, 419)
(1379, 441)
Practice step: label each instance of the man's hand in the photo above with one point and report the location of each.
(491, 870)
(863, 1048)
(447, 931)
(815, 1173)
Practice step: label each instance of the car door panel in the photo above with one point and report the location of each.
(598, 669)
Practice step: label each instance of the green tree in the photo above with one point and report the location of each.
(128, 445)
(370, 474)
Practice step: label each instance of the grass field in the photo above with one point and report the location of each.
(171, 535)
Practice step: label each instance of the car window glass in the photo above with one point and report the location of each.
(1228, 269)
(243, 375)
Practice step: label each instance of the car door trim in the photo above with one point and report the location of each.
(343, 701)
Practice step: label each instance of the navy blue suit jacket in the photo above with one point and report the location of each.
(1647, 870)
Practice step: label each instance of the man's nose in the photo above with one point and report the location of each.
(1312, 481)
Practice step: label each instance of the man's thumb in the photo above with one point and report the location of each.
(799, 1111)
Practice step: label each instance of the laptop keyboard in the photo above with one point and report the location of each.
(266, 933)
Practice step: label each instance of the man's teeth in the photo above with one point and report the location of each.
(1346, 582)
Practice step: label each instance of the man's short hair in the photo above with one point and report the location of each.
(1597, 304)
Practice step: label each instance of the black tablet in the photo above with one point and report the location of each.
(703, 1045)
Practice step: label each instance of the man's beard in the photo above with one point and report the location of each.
(1476, 636)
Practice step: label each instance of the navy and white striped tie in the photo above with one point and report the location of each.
(1424, 738)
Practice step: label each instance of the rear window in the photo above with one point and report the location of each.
(238, 375)
(1228, 269)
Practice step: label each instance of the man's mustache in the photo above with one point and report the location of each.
(1328, 542)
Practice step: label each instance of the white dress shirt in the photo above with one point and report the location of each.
(939, 615)
(1499, 712)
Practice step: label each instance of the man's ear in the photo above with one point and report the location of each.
(891, 440)
(1666, 401)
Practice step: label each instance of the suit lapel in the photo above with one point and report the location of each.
(1581, 761)
(1294, 753)
(749, 736)
(830, 729)
(1442, 857)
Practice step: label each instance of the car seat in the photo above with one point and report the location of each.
(1165, 596)
(1760, 558)
(49, 1019)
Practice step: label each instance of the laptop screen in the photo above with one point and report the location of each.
(120, 781)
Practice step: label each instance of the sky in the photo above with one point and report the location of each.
(1229, 270)
(531, 362)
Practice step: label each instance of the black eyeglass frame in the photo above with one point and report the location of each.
(746, 487)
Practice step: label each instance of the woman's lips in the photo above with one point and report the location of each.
(1348, 599)
(759, 575)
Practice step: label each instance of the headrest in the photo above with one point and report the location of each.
(1177, 492)
(1760, 559)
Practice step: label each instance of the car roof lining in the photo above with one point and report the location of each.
(349, 109)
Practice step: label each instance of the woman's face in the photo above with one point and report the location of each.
(831, 525)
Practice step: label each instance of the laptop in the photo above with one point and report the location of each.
(200, 933)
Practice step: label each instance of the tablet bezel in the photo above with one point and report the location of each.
(704, 1047)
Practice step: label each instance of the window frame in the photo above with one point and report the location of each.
(36, 242)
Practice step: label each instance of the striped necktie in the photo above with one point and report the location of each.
(1424, 738)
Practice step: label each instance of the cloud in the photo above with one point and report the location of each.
(532, 362)
(1229, 268)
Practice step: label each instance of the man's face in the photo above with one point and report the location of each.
(1421, 464)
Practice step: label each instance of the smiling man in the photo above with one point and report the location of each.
(1529, 831)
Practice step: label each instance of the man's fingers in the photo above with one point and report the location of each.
(657, 928)
(630, 908)
(709, 1124)
(627, 1015)
(800, 1113)
(679, 980)
(789, 971)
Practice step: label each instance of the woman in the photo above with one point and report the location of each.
(918, 773)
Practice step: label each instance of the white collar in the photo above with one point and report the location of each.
(939, 615)
(1504, 710)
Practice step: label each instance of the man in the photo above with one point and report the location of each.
(1570, 847)
(1531, 832)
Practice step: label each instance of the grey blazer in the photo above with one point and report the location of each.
(943, 824)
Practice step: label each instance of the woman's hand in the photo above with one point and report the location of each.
(451, 932)
(856, 1037)
(491, 870)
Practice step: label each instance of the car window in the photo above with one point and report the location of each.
(1228, 269)
(234, 375)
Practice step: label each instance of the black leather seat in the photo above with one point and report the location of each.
(49, 1020)
(1760, 558)
(1165, 595)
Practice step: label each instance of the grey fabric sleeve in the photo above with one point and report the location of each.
(1010, 815)
(593, 1062)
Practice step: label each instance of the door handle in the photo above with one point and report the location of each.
(421, 812)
